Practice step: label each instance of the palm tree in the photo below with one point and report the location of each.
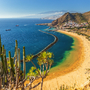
(45, 60)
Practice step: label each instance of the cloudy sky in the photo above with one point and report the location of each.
(41, 8)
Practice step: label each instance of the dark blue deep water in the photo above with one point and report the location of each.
(27, 34)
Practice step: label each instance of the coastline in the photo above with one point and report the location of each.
(71, 54)
(75, 74)
(71, 60)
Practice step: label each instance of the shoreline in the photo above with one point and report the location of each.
(71, 54)
(76, 74)
(67, 65)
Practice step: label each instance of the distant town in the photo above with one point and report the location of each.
(72, 24)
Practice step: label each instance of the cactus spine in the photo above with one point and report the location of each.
(24, 65)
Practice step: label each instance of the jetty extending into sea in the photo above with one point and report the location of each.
(47, 47)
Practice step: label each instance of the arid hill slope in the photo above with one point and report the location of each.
(76, 17)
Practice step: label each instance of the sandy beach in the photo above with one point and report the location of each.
(76, 74)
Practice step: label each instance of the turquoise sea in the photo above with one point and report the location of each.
(27, 34)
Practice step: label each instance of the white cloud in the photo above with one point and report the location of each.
(45, 14)
(33, 15)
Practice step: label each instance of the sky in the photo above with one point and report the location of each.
(41, 8)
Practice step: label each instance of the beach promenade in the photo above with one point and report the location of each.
(76, 74)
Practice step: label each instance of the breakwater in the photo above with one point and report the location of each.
(50, 45)
(47, 47)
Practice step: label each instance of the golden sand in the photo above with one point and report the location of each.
(76, 73)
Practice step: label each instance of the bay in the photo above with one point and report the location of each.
(27, 34)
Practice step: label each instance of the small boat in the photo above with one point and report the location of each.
(8, 29)
(49, 28)
(17, 25)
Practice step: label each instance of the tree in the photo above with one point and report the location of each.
(45, 62)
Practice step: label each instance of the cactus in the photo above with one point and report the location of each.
(1, 69)
(19, 65)
(0, 74)
(16, 48)
(11, 64)
(3, 63)
(24, 65)
(15, 62)
(17, 78)
(16, 68)
(16, 43)
(4, 59)
(5, 66)
(3, 73)
(16, 72)
(4, 52)
(15, 56)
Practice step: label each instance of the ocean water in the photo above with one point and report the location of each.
(27, 34)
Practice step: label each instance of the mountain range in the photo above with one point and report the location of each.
(76, 17)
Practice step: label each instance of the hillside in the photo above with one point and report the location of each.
(87, 16)
(76, 17)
